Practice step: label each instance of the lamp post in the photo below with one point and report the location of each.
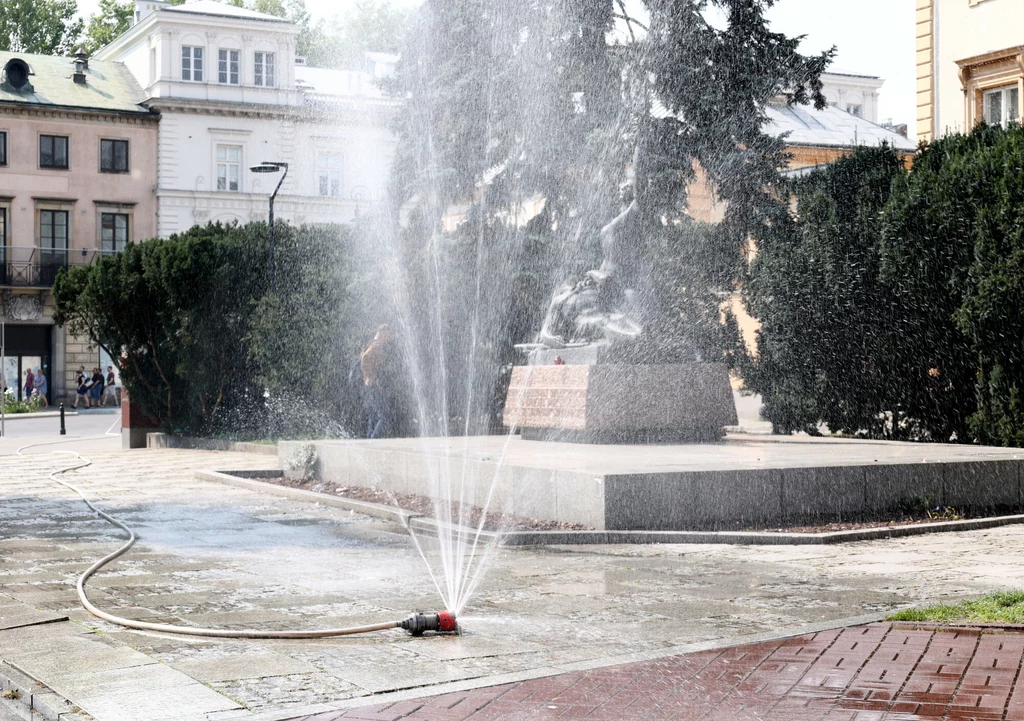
(268, 167)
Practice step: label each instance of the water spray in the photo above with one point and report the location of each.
(417, 623)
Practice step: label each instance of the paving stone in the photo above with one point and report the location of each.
(856, 674)
(264, 665)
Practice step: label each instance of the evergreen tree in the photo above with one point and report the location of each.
(824, 351)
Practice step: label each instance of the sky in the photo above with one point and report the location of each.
(873, 37)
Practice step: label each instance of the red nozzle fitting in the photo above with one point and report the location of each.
(439, 622)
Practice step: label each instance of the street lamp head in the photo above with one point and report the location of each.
(266, 167)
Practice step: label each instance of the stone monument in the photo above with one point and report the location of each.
(603, 370)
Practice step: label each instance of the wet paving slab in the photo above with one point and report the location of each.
(877, 672)
(216, 555)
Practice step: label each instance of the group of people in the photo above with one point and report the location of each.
(35, 385)
(95, 388)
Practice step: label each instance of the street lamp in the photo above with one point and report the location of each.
(267, 167)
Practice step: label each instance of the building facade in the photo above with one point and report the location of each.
(970, 64)
(854, 94)
(232, 94)
(77, 173)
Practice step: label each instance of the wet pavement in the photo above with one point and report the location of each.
(878, 672)
(217, 555)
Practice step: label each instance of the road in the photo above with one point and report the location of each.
(24, 429)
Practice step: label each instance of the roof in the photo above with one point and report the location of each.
(830, 128)
(213, 7)
(336, 83)
(109, 86)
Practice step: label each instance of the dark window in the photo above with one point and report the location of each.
(113, 231)
(53, 244)
(53, 151)
(3, 147)
(53, 230)
(113, 156)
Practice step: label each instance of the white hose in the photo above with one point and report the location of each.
(164, 627)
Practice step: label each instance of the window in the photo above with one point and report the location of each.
(3, 147)
(853, 110)
(53, 151)
(1001, 106)
(329, 174)
(229, 166)
(113, 156)
(113, 232)
(263, 69)
(53, 229)
(192, 64)
(229, 67)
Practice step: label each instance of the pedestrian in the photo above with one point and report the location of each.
(96, 388)
(82, 383)
(39, 387)
(375, 399)
(30, 383)
(110, 389)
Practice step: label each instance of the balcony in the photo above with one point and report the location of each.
(25, 266)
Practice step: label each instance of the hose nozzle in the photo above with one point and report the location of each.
(440, 622)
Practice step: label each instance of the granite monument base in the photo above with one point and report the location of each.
(620, 403)
(745, 481)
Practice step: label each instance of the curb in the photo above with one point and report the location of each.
(34, 698)
(420, 522)
(166, 440)
(8, 417)
(375, 510)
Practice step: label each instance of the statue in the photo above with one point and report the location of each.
(602, 307)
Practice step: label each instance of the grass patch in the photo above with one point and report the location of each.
(1001, 607)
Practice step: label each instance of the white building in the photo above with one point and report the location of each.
(232, 94)
(970, 64)
(856, 94)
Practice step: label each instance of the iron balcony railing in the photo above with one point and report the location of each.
(26, 266)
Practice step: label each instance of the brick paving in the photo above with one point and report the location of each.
(879, 672)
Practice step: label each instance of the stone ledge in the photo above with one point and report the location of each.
(166, 440)
(33, 699)
(411, 520)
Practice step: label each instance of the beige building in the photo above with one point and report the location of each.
(970, 64)
(77, 172)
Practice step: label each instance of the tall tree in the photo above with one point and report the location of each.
(44, 27)
(342, 41)
(112, 19)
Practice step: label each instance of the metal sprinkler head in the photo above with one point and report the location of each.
(439, 622)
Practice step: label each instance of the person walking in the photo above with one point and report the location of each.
(110, 389)
(40, 388)
(375, 399)
(82, 383)
(30, 383)
(96, 388)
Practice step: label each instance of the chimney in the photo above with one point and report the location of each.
(144, 8)
(79, 76)
(82, 57)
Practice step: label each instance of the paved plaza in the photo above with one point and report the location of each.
(879, 672)
(216, 555)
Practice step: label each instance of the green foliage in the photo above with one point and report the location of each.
(44, 27)
(894, 310)
(1001, 607)
(113, 18)
(28, 405)
(202, 335)
(826, 318)
(342, 41)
